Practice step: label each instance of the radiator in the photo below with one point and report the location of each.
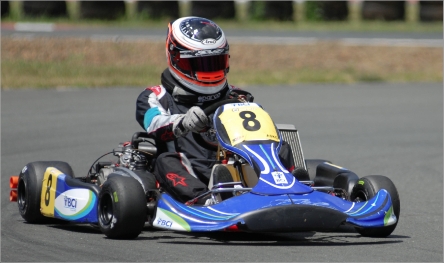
(291, 136)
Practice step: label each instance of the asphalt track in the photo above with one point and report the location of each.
(390, 129)
(261, 36)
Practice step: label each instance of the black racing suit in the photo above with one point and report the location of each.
(182, 166)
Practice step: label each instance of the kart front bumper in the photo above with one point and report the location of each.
(291, 218)
(286, 213)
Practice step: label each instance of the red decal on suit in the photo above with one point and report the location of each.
(176, 179)
(156, 89)
(167, 136)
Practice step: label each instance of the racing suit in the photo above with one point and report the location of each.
(182, 166)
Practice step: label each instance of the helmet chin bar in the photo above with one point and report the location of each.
(210, 76)
(202, 89)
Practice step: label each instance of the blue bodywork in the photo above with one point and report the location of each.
(377, 212)
(278, 202)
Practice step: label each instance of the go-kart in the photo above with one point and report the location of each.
(122, 197)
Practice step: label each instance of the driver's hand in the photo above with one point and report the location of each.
(194, 120)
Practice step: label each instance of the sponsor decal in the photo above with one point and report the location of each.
(208, 41)
(176, 179)
(337, 166)
(272, 136)
(75, 203)
(236, 139)
(202, 52)
(209, 52)
(71, 203)
(390, 217)
(116, 199)
(169, 220)
(156, 89)
(164, 223)
(279, 178)
(167, 136)
(208, 97)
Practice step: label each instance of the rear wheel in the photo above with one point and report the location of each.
(312, 164)
(30, 187)
(122, 208)
(365, 189)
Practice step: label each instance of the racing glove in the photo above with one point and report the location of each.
(194, 120)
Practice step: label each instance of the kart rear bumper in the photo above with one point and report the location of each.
(291, 218)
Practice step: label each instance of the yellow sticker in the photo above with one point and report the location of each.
(337, 166)
(247, 122)
(49, 189)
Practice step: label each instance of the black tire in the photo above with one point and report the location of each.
(365, 189)
(122, 208)
(30, 187)
(312, 164)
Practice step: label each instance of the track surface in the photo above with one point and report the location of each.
(390, 129)
(32, 30)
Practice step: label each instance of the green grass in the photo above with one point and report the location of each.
(25, 74)
(68, 73)
(246, 78)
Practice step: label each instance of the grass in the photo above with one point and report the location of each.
(67, 74)
(57, 62)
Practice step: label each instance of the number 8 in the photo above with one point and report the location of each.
(248, 119)
(48, 187)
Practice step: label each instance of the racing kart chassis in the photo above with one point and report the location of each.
(263, 196)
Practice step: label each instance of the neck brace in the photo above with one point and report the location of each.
(183, 95)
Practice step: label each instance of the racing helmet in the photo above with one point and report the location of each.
(197, 54)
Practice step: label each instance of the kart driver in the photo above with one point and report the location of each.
(197, 54)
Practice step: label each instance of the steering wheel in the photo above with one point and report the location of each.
(208, 111)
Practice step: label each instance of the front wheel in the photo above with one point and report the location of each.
(29, 189)
(365, 189)
(122, 207)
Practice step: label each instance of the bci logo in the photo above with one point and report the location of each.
(162, 222)
(70, 203)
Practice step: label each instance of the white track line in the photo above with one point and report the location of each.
(34, 27)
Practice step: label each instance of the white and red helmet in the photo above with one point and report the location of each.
(197, 54)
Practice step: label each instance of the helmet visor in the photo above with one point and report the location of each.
(203, 64)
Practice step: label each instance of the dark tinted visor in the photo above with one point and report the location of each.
(204, 64)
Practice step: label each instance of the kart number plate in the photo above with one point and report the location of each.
(247, 122)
